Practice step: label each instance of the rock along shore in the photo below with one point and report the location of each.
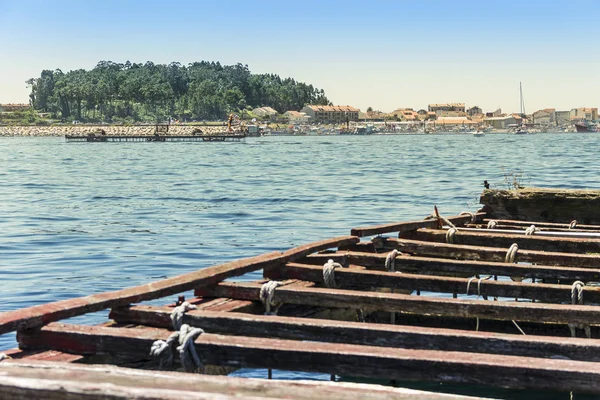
(114, 130)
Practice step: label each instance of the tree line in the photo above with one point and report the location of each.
(154, 92)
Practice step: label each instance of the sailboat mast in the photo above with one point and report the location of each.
(522, 105)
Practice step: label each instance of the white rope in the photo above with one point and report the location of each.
(448, 223)
(492, 224)
(577, 299)
(470, 214)
(531, 230)
(187, 349)
(390, 260)
(573, 224)
(161, 349)
(511, 254)
(266, 297)
(178, 312)
(450, 235)
(478, 293)
(329, 273)
(3, 356)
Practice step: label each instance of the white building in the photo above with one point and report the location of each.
(500, 122)
(296, 117)
(264, 112)
(339, 114)
(544, 117)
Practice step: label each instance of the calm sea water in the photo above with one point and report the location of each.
(79, 218)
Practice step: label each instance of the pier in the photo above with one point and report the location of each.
(155, 138)
(469, 299)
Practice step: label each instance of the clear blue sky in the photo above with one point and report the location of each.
(384, 54)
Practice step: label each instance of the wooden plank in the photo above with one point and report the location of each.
(501, 227)
(364, 279)
(409, 225)
(45, 313)
(393, 302)
(60, 380)
(347, 359)
(41, 355)
(370, 334)
(540, 224)
(487, 237)
(485, 253)
(434, 266)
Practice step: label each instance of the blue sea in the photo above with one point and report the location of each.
(84, 218)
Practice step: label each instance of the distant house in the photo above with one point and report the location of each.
(10, 107)
(334, 114)
(474, 111)
(562, 117)
(438, 109)
(497, 113)
(296, 117)
(544, 117)
(264, 112)
(453, 121)
(501, 122)
(589, 114)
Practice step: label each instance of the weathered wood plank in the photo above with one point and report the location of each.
(482, 253)
(487, 237)
(45, 313)
(392, 302)
(409, 225)
(41, 355)
(57, 379)
(516, 227)
(396, 336)
(540, 224)
(352, 360)
(433, 266)
(365, 279)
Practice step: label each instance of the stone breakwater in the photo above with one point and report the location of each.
(84, 130)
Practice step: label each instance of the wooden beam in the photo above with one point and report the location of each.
(487, 237)
(396, 336)
(539, 224)
(26, 381)
(365, 279)
(409, 225)
(449, 267)
(45, 313)
(392, 302)
(501, 227)
(466, 252)
(348, 359)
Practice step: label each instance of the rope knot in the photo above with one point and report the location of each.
(178, 312)
(390, 260)
(267, 291)
(3, 356)
(160, 349)
(187, 349)
(470, 214)
(492, 224)
(329, 273)
(573, 224)
(531, 230)
(451, 234)
(577, 299)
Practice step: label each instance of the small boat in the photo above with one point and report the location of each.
(478, 133)
(521, 130)
(585, 127)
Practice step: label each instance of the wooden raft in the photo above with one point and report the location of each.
(451, 310)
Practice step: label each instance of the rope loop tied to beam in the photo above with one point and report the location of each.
(329, 273)
(186, 336)
(187, 349)
(3, 356)
(451, 235)
(577, 299)
(531, 230)
(492, 224)
(573, 224)
(390, 260)
(511, 253)
(470, 214)
(267, 291)
(178, 312)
